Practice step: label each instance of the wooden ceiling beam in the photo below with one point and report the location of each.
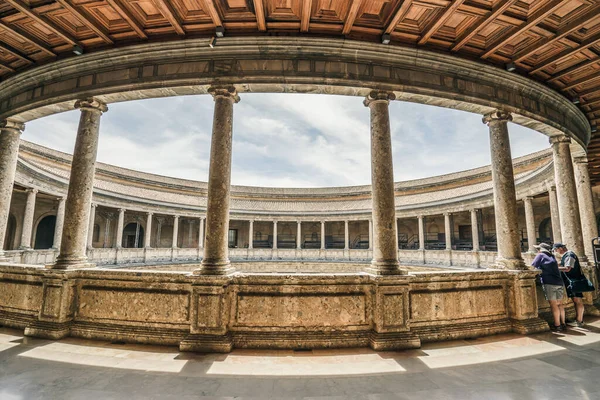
(574, 69)
(560, 34)
(166, 9)
(592, 103)
(6, 67)
(586, 44)
(210, 9)
(27, 38)
(398, 16)
(92, 25)
(582, 81)
(535, 19)
(9, 49)
(128, 17)
(500, 8)
(259, 10)
(24, 9)
(440, 21)
(352, 14)
(305, 19)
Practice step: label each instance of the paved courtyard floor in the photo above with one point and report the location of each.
(546, 366)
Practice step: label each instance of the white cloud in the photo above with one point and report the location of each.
(284, 140)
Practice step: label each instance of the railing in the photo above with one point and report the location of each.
(311, 241)
(408, 242)
(262, 241)
(335, 241)
(286, 241)
(360, 242)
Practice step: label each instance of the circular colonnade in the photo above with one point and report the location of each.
(383, 306)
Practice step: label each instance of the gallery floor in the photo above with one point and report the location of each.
(546, 366)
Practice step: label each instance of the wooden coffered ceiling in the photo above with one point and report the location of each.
(554, 41)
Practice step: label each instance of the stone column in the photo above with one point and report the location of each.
(566, 193)
(120, 223)
(90, 227)
(346, 236)
(10, 132)
(216, 252)
(175, 231)
(60, 220)
(299, 235)
(201, 234)
(251, 234)
(370, 235)
(191, 224)
(554, 217)
(81, 183)
(421, 220)
(28, 220)
(322, 235)
(475, 230)
(275, 235)
(147, 243)
(385, 231)
(448, 231)
(505, 200)
(530, 224)
(586, 204)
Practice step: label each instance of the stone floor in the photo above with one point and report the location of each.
(546, 366)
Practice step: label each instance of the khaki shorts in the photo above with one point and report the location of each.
(554, 292)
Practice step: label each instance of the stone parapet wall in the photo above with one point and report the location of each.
(287, 311)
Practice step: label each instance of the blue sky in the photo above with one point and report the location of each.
(284, 140)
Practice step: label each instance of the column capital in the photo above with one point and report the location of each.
(122, 210)
(275, 222)
(61, 198)
(94, 205)
(560, 139)
(580, 160)
(11, 124)
(228, 92)
(472, 210)
(497, 115)
(376, 96)
(176, 217)
(528, 198)
(31, 190)
(91, 104)
(149, 213)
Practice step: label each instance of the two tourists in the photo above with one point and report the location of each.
(571, 271)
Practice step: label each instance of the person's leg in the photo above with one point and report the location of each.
(579, 308)
(555, 311)
(561, 307)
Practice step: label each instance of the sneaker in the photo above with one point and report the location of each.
(573, 323)
(556, 328)
(564, 327)
(580, 324)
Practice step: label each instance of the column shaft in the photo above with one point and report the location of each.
(90, 226)
(251, 234)
(448, 231)
(322, 235)
(148, 232)
(554, 215)
(475, 230)
(274, 234)
(60, 219)
(201, 234)
(370, 235)
(385, 231)
(81, 183)
(10, 132)
(505, 200)
(299, 234)
(586, 204)
(216, 252)
(120, 223)
(28, 219)
(421, 220)
(175, 231)
(566, 194)
(530, 224)
(346, 236)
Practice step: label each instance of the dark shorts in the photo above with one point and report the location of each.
(574, 294)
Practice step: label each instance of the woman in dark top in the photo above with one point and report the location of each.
(552, 284)
(571, 270)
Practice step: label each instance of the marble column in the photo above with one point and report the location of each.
(27, 231)
(90, 227)
(370, 235)
(107, 222)
(448, 231)
(385, 231)
(275, 235)
(475, 230)
(421, 220)
(147, 243)
(346, 236)
(299, 235)
(81, 183)
(201, 234)
(216, 252)
(566, 194)
(10, 132)
(530, 224)
(322, 235)
(175, 231)
(586, 204)
(554, 215)
(505, 200)
(191, 224)
(60, 220)
(120, 223)
(251, 234)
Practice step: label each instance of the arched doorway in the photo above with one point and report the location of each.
(546, 231)
(11, 228)
(133, 235)
(44, 234)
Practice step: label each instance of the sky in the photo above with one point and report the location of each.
(284, 140)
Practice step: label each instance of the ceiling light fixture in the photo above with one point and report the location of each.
(511, 67)
(594, 129)
(77, 49)
(220, 31)
(386, 38)
(575, 100)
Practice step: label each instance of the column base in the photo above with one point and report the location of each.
(215, 268)
(391, 267)
(71, 263)
(394, 341)
(529, 326)
(207, 343)
(48, 330)
(515, 264)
